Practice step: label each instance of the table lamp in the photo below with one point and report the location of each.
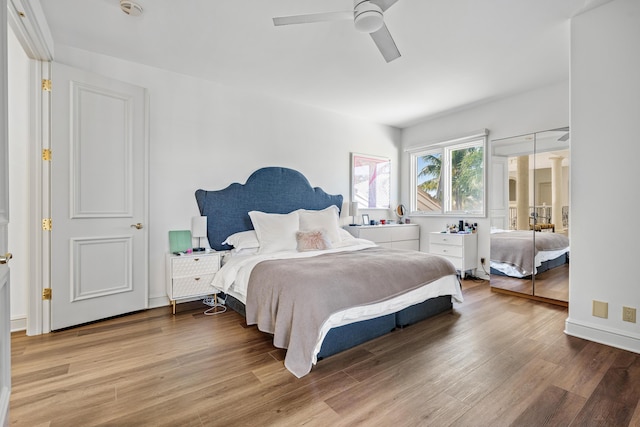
(353, 211)
(199, 230)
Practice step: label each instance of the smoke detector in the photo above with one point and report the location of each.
(130, 8)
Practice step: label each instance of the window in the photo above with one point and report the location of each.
(449, 178)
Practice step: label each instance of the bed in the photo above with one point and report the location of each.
(522, 254)
(292, 271)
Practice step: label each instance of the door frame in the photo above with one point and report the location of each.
(30, 27)
(29, 24)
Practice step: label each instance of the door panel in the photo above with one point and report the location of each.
(98, 260)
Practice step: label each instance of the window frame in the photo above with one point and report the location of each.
(445, 148)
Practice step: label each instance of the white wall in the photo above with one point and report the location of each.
(18, 101)
(605, 108)
(205, 135)
(537, 110)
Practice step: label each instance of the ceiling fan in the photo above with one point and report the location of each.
(367, 16)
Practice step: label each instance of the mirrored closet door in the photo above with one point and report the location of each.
(530, 215)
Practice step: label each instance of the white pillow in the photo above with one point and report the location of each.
(243, 240)
(276, 232)
(326, 219)
(345, 235)
(244, 252)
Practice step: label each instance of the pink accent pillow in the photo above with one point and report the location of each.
(315, 240)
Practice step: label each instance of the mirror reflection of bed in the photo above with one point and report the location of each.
(530, 248)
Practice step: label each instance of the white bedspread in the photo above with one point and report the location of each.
(237, 269)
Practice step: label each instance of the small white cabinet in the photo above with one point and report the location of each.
(396, 236)
(460, 249)
(190, 275)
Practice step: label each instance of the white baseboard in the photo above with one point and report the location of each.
(613, 338)
(158, 302)
(19, 324)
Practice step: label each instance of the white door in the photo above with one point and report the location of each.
(5, 325)
(98, 197)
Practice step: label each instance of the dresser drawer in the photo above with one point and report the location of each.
(447, 250)
(405, 233)
(188, 286)
(376, 234)
(193, 266)
(445, 239)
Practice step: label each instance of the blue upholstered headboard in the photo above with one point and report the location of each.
(271, 190)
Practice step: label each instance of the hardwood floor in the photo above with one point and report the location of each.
(496, 360)
(552, 284)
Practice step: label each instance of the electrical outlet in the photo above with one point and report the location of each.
(482, 261)
(629, 314)
(601, 309)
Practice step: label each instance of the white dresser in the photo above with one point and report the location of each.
(396, 236)
(191, 275)
(460, 249)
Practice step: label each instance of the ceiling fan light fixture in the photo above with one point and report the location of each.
(367, 16)
(130, 8)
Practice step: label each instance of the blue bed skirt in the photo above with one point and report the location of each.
(348, 336)
(546, 265)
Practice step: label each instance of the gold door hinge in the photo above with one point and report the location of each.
(46, 294)
(46, 224)
(46, 85)
(46, 154)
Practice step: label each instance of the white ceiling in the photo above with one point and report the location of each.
(454, 52)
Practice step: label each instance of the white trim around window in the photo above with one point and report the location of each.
(442, 196)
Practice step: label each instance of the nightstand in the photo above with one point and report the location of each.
(190, 275)
(460, 249)
(396, 236)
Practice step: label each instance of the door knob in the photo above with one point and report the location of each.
(137, 226)
(5, 258)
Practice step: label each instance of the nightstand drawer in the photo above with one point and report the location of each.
(445, 239)
(192, 266)
(460, 249)
(188, 286)
(448, 250)
(190, 275)
(456, 261)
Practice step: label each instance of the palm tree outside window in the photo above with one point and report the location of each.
(449, 178)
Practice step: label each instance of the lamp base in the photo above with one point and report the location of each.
(198, 249)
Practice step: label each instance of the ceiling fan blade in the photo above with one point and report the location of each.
(314, 17)
(382, 38)
(384, 4)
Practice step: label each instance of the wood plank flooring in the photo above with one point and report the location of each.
(552, 284)
(496, 360)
